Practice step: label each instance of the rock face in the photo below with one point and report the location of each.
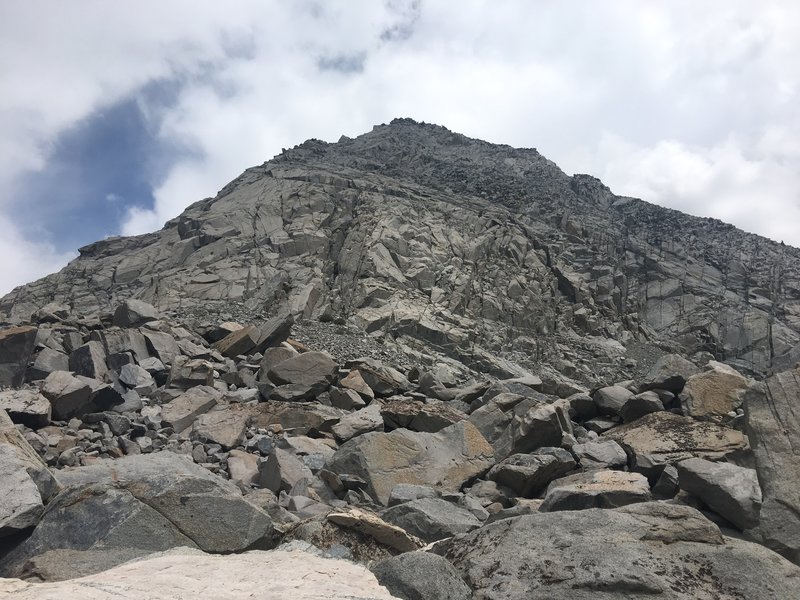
(514, 256)
(183, 573)
(773, 426)
(545, 557)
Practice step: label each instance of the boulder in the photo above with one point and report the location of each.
(773, 427)
(429, 416)
(670, 372)
(132, 313)
(301, 418)
(595, 489)
(241, 341)
(640, 405)
(16, 346)
(528, 474)
(137, 378)
(354, 381)
(223, 425)
(243, 468)
(311, 371)
(47, 361)
(381, 379)
(600, 454)
(187, 573)
(359, 422)
(68, 395)
(664, 438)
(611, 399)
(375, 527)
(421, 576)
(444, 460)
(187, 373)
(161, 345)
(21, 505)
(641, 551)
(431, 519)
(275, 331)
(405, 492)
(346, 399)
(181, 412)
(34, 466)
(282, 470)
(715, 392)
(26, 407)
(274, 356)
(729, 490)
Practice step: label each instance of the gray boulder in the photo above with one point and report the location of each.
(421, 576)
(27, 407)
(89, 360)
(670, 372)
(359, 422)
(312, 371)
(595, 489)
(16, 346)
(729, 490)
(241, 341)
(773, 427)
(638, 552)
(223, 425)
(47, 361)
(431, 519)
(181, 412)
(528, 474)
(132, 313)
(611, 399)
(640, 405)
(600, 454)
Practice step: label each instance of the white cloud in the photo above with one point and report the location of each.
(689, 104)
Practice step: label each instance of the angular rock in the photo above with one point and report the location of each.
(181, 412)
(162, 345)
(545, 555)
(16, 346)
(381, 379)
(372, 525)
(663, 438)
(187, 373)
(354, 381)
(729, 490)
(27, 407)
(595, 489)
(312, 371)
(274, 356)
(89, 360)
(670, 372)
(600, 454)
(346, 399)
(243, 468)
(275, 331)
(21, 505)
(137, 378)
(528, 474)
(715, 392)
(430, 416)
(543, 425)
(47, 361)
(611, 399)
(242, 341)
(405, 492)
(431, 519)
(11, 438)
(359, 422)
(300, 418)
(223, 425)
(444, 460)
(640, 405)
(132, 313)
(282, 471)
(68, 395)
(421, 576)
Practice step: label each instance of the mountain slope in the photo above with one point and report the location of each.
(442, 244)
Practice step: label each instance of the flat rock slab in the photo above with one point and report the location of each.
(431, 519)
(183, 573)
(443, 460)
(664, 438)
(372, 525)
(596, 489)
(314, 371)
(638, 552)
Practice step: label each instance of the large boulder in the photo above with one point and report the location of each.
(715, 392)
(27, 407)
(595, 489)
(431, 519)
(187, 573)
(359, 422)
(638, 552)
(89, 360)
(132, 313)
(729, 490)
(241, 341)
(421, 576)
(429, 416)
(772, 411)
(140, 504)
(311, 372)
(670, 373)
(181, 412)
(663, 438)
(528, 474)
(445, 460)
(16, 346)
(223, 425)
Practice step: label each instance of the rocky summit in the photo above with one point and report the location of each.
(407, 365)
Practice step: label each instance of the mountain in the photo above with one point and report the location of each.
(446, 245)
(407, 365)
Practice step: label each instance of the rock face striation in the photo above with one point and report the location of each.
(405, 339)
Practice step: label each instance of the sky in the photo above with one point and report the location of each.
(114, 116)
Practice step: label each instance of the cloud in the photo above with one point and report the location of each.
(691, 105)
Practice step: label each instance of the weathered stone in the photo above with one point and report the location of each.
(243, 468)
(359, 422)
(275, 331)
(21, 505)
(600, 454)
(714, 393)
(16, 346)
(405, 492)
(187, 373)
(372, 525)
(670, 372)
(640, 405)
(354, 381)
(122, 341)
(242, 341)
(138, 379)
(773, 427)
(431, 519)
(346, 399)
(313, 371)
(223, 425)
(27, 407)
(730, 491)
(663, 438)
(47, 361)
(528, 474)
(543, 425)
(274, 356)
(381, 379)
(611, 399)
(132, 313)
(420, 416)
(162, 345)
(184, 573)
(68, 395)
(11, 438)
(300, 418)
(181, 412)
(282, 470)
(421, 576)
(444, 460)
(595, 489)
